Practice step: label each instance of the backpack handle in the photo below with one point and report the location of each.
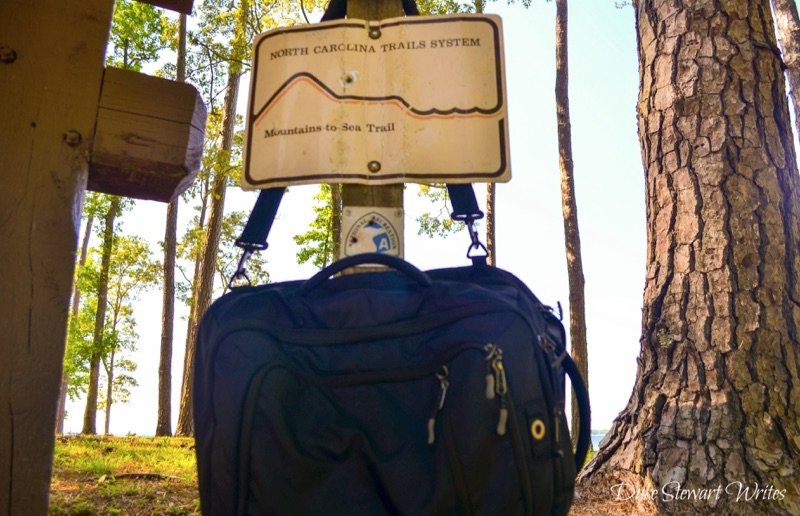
(361, 259)
(584, 412)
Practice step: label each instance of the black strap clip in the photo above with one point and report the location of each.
(240, 277)
(466, 210)
(475, 245)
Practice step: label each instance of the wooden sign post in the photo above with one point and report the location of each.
(50, 84)
(385, 199)
(51, 76)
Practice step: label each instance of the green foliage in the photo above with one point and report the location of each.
(190, 248)
(79, 337)
(132, 271)
(431, 7)
(316, 244)
(437, 223)
(228, 254)
(137, 35)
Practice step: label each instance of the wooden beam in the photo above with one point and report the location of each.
(361, 195)
(149, 138)
(50, 74)
(181, 6)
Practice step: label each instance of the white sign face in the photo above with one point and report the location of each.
(372, 230)
(416, 99)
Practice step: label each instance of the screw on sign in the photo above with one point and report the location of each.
(7, 55)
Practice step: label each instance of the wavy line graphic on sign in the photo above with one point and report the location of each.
(423, 101)
(305, 77)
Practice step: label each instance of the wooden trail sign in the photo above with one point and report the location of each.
(414, 99)
(148, 140)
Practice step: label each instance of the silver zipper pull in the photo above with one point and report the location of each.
(501, 382)
(491, 352)
(502, 423)
(501, 388)
(490, 388)
(444, 384)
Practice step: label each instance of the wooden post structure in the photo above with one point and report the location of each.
(383, 198)
(50, 79)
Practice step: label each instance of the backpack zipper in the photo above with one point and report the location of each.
(497, 386)
(499, 389)
(444, 384)
(341, 380)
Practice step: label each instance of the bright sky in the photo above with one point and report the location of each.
(609, 189)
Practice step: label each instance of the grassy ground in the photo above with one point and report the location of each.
(155, 476)
(124, 475)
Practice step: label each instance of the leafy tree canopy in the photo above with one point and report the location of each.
(137, 35)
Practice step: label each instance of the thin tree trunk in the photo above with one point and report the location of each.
(90, 414)
(716, 403)
(491, 241)
(61, 411)
(788, 25)
(164, 421)
(336, 220)
(491, 196)
(569, 210)
(109, 391)
(202, 297)
(184, 423)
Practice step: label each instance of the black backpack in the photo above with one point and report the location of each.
(397, 392)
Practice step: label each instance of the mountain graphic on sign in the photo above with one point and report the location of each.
(308, 78)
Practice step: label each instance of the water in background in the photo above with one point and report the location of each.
(597, 436)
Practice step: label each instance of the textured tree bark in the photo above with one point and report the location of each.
(90, 413)
(188, 361)
(164, 419)
(717, 396)
(491, 241)
(202, 297)
(788, 25)
(491, 193)
(569, 210)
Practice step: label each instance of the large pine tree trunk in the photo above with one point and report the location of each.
(716, 402)
(569, 209)
(90, 414)
(201, 300)
(788, 25)
(61, 411)
(202, 295)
